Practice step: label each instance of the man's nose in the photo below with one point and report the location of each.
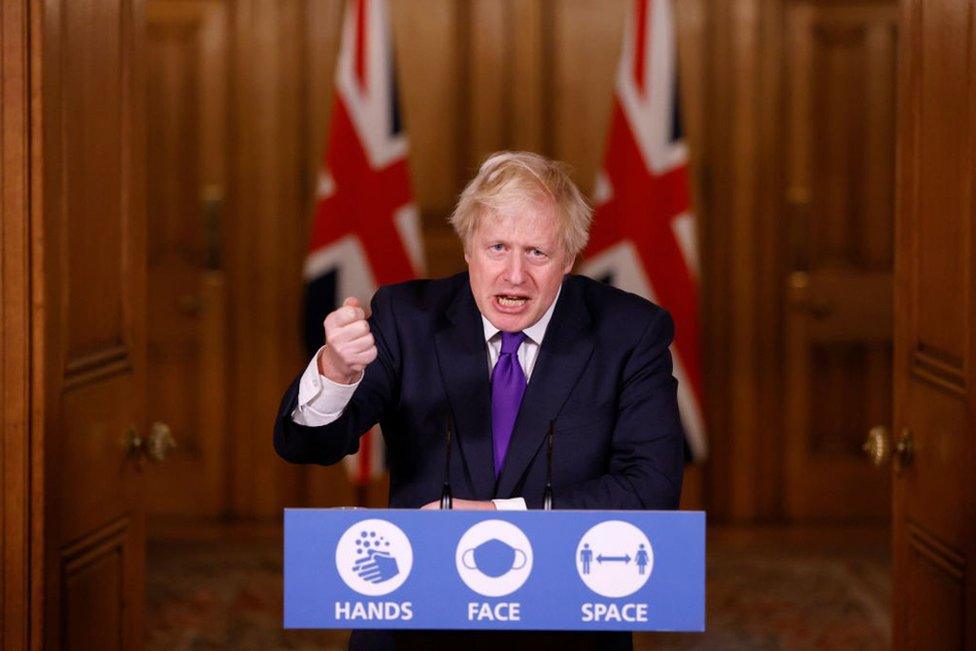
(514, 272)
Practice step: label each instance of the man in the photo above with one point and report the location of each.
(505, 349)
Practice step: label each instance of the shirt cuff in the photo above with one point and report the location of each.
(320, 400)
(510, 504)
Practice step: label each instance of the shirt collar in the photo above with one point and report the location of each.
(535, 332)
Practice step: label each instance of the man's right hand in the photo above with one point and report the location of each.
(349, 345)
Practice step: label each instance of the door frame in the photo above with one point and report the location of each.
(21, 509)
(21, 441)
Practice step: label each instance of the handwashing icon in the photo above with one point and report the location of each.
(374, 557)
(494, 558)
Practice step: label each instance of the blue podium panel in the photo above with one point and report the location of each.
(530, 570)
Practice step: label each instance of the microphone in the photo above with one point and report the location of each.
(447, 500)
(547, 494)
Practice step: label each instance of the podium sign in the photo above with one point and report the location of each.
(531, 570)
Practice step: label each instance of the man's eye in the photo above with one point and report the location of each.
(497, 247)
(536, 253)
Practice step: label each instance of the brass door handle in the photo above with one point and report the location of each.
(161, 441)
(154, 447)
(878, 445)
(879, 449)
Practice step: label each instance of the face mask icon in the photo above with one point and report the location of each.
(493, 558)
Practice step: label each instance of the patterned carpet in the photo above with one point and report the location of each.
(768, 588)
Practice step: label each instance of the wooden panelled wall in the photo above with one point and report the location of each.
(752, 143)
(475, 77)
(483, 75)
(478, 76)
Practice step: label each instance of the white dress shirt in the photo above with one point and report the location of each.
(322, 401)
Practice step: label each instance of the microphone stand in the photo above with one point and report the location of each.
(447, 500)
(547, 494)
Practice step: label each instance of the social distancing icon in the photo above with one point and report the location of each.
(614, 559)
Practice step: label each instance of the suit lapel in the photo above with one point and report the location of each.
(463, 362)
(565, 351)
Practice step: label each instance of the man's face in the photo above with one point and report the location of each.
(516, 262)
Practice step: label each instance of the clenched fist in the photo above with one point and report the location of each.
(349, 346)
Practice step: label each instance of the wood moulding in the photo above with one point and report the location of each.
(15, 325)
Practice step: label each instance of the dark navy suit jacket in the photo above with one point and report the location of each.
(603, 375)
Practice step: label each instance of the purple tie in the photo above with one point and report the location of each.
(507, 387)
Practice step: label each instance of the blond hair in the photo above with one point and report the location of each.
(509, 178)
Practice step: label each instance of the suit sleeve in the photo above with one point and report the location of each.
(377, 391)
(647, 445)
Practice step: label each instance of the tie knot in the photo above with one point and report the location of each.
(511, 341)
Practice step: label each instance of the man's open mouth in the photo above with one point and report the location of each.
(510, 300)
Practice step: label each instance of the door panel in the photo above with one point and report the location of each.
(91, 367)
(936, 578)
(941, 120)
(935, 292)
(840, 188)
(98, 480)
(92, 143)
(97, 575)
(186, 118)
(938, 474)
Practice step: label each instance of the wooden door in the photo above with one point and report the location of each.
(186, 125)
(89, 366)
(934, 473)
(840, 135)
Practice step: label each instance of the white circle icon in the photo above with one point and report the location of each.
(614, 559)
(374, 557)
(494, 558)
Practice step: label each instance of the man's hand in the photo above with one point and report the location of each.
(463, 505)
(349, 345)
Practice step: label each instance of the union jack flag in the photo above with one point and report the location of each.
(366, 231)
(643, 235)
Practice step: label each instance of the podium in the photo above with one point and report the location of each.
(513, 570)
